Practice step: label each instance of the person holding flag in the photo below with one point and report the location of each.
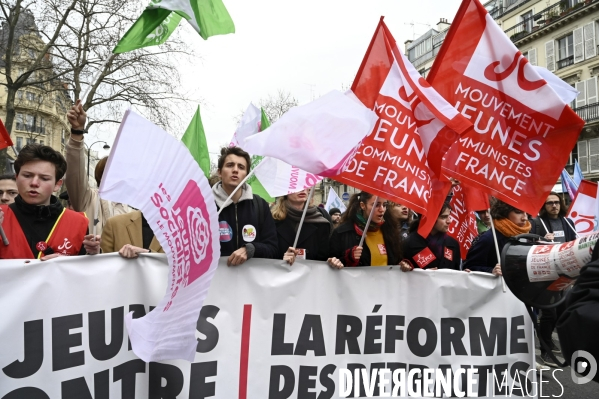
(247, 228)
(437, 251)
(552, 223)
(382, 238)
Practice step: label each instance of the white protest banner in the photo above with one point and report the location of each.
(265, 331)
(334, 202)
(280, 178)
(154, 172)
(584, 210)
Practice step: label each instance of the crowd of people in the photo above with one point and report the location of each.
(39, 226)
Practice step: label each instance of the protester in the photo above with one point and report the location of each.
(552, 223)
(36, 224)
(130, 235)
(313, 241)
(82, 196)
(509, 222)
(402, 213)
(8, 189)
(483, 222)
(335, 214)
(437, 251)
(382, 238)
(553, 226)
(247, 228)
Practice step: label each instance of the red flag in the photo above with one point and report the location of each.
(5, 140)
(416, 125)
(464, 203)
(523, 131)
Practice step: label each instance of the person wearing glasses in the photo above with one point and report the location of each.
(552, 223)
(8, 189)
(382, 243)
(553, 226)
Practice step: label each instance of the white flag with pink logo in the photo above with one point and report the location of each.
(152, 171)
(280, 178)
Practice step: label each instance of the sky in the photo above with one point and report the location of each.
(306, 48)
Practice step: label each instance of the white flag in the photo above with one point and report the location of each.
(320, 137)
(248, 125)
(334, 202)
(280, 178)
(584, 210)
(155, 172)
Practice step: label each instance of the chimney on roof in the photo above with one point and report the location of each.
(407, 44)
(442, 24)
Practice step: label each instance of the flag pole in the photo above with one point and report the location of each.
(544, 226)
(241, 185)
(96, 76)
(368, 222)
(572, 227)
(299, 227)
(497, 248)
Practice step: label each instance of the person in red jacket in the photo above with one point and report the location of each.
(36, 224)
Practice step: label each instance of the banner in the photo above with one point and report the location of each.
(266, 330)
(463, 220)
(523, 129)
(584, 211)
(333, 201)
(154, 172)
(280, 178)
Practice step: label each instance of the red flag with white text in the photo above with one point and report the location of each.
(464, 203)
(523, 130)
(416, 123)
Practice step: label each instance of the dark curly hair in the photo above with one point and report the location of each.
(501, 210)
(38, 152)
(226, 151)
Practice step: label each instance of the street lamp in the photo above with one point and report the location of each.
(106, 147)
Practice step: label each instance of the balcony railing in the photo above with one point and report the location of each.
(564, 62)
(30, 128)
(544, 18)
(589, 113)
(500, 10)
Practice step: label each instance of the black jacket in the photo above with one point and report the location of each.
(345, 238)
(244, 215)
(415, 244)
(314, 238)
(537, 227)
(482, 256)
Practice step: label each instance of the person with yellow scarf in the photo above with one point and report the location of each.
(509, 222)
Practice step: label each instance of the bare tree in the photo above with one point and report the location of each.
(276, 105)
(66, 47)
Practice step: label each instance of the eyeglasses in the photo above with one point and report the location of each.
(551, 203)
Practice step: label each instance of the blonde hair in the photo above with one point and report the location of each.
(279, 209)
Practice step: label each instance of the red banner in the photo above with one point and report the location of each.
(463, 220)
(393, 161)
(523, 131)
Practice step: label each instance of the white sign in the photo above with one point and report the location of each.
(266, 330)
(333, 201)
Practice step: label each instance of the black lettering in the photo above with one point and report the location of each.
(372, 334)
(327, 382)
(499, 388)
(173, 381)
(484, 372)
(352, 367)
(77, 388)
(198, 387)
(33, 344)
(517, 333)
(311, 327)
(377, 367)
(279, 346)
(444, 369)
(126, 373)
(97, 340)
(392, 334)
(452, 333)
(392, 366)
(62, 342)
(275, 391)
(422, 323)
(307, 382)
(26, 393)
(349, 336)
(497, 333)
(208, 329)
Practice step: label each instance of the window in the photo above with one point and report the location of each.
(19, 143)
(565, 47)
(531, 56)
(20, 121)
(30, 96)
(526, 19)
(20, 94)
(30, 141)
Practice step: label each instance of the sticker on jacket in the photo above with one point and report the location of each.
(559, 233)
(448, 254)
(301, 254)
(424, 257)
(226, 232)
(382, 249)
(249, 233)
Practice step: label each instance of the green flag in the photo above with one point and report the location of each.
(208, 18)
(151, 29)
(257, 187)
(195, 140)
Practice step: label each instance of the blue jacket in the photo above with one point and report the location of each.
(482, 256)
